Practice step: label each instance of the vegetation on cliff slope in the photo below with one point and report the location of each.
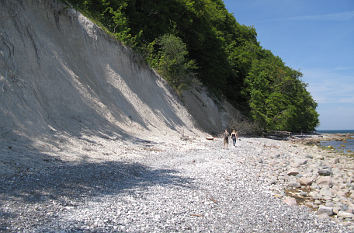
(186, 39)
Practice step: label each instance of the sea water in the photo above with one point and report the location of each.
(345, 146)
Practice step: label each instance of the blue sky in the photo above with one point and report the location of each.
(315, 37)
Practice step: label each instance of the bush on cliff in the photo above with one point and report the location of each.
(216, 49)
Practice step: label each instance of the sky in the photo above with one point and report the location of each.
(315, 37)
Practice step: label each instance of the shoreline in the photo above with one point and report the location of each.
(311, 140)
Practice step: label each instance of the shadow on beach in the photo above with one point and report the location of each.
(70, 185)
(84, 180)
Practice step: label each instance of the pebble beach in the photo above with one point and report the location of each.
(184, 185)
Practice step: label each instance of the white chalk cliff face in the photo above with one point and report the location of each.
(59, 72)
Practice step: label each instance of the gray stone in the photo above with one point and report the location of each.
(344, 207)
(324, 181)
(294, 185)
(293, 172)
(325, 172)
(303, 194)
(343, 214)
(300, 162)
(325, 210)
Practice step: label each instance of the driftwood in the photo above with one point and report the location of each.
(278, 134)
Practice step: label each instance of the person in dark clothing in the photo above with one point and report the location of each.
(226, 139)
(234, 136)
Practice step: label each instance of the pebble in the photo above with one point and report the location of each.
(325, 210)
(324, 172)
(290, 201)
(305, 181)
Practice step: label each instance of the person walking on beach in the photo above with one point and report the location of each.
(234, 136)
(226, 139)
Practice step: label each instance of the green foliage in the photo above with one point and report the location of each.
(171, 61)
(183, 39)
(278, 99)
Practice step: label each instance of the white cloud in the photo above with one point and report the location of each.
(344, 68)
(336, 116)
(334, 93)
(329, 86)
(341, 16)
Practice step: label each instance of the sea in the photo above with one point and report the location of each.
(346, 146)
